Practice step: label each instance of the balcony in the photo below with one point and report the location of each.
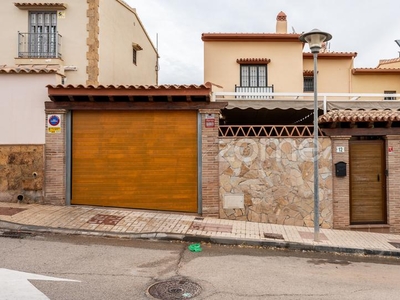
(254, 89)
(39, 45)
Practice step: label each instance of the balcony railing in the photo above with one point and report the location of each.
(39, 45)
(254, 89)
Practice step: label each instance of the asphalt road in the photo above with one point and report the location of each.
(125, 269)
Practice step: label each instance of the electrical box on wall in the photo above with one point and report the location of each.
(340, 169)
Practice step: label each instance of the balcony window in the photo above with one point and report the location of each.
(254, 78)
(42, 40)
(253, 75)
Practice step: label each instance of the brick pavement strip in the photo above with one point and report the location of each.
(74, 219)
(77, 219)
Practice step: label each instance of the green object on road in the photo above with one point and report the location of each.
(195, 248)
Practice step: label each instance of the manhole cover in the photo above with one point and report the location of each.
(174, 289)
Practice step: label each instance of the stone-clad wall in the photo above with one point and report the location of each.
(274, 178)
(21, 169)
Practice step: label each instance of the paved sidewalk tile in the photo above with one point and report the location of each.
(97, 220)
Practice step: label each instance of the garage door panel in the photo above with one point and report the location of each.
(135, 159)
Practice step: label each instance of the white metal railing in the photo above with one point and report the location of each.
(252, 91)
(39, 45)
(323, 98)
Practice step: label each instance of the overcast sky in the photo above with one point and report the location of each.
(368, 27)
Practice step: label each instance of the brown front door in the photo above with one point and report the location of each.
(367, 182)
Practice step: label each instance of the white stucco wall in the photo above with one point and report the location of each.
(16, 20)
(285, 70)
(119, 28)
(72, 28)
(22, 117)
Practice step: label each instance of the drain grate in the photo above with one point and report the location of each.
(175, 289)
(10, 211)
(105, 219)
(276, 236)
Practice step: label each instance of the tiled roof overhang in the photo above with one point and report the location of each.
(365, 71)
(128, 96)
(250, 37)
(308, 72)
(253, 61)
(353, 116)
(389, 61)
(367, 117)
(30, 69)
(40, 5)
(331, 55)
(360, 122)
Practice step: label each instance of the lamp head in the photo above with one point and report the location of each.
(314, 39)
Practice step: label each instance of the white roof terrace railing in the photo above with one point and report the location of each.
(326, 101)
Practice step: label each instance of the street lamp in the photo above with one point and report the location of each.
(315, 38)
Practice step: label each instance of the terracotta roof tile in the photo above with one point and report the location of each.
(130, 93)
(133, 87)
(30, 69)
(253, 61)
(331, 54)
(360, 116)
(251, 37)
(388, 61)
(28, 5)
(308, 72)
(375, 70)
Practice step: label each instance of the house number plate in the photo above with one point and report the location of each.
(339, 149)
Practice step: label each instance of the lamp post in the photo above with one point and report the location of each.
(315, 38)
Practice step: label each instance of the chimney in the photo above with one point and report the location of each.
(281, 23)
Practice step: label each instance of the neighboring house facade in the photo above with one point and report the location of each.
(266, 161)
(88, 42)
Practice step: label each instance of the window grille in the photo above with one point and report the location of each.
(134, 56)
(253, 75)
(43, 34)
(308, 84)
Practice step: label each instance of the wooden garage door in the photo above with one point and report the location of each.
(136, 159)
(367, 179)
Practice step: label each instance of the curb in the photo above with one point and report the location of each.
(7, 228)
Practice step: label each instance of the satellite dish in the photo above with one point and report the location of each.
(397, 42)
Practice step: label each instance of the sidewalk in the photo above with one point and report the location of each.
(138, 224)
